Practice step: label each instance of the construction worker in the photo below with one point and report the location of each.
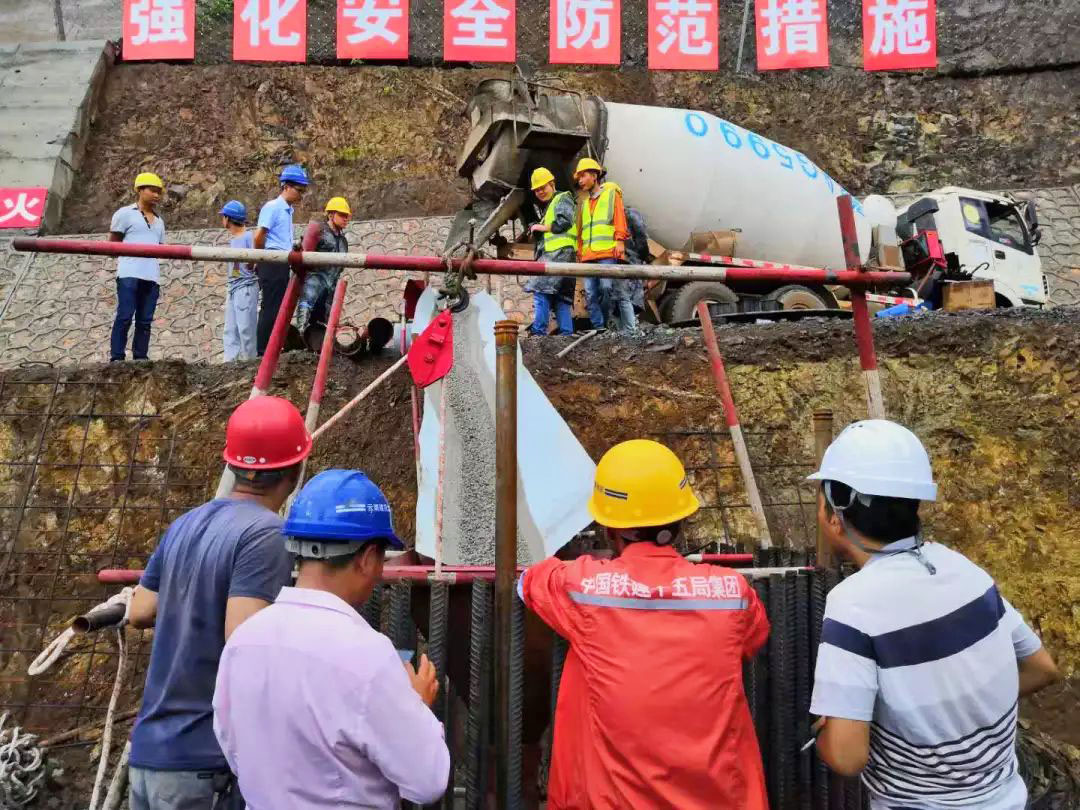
(242, 288)
(628, 294)
(215, 567)
(651, 710)
(313, 707)
(602, 234)
(325, 236)
(274, 231)
(557, 242)
(138, 279)
(922, 660)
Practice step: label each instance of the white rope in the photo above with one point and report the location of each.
(106, 736)
(20, 758)
(56, 647)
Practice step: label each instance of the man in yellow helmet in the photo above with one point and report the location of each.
(556, 242)
(602, 234)
(325, 236)
(651, 709)
(137, 279)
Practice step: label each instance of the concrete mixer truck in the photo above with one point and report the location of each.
(695, 176)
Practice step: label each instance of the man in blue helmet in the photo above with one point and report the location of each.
(241, 290)
(313, 707)
(275, 232)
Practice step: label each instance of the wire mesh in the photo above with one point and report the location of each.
(88, 480)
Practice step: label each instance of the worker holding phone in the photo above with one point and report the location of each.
(313, 707)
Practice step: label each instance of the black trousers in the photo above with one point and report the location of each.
(273, 279)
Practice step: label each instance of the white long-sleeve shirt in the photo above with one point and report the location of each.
(313, 709)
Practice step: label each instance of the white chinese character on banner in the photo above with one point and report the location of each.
(603, 584)
(371, 22)
(678, 587)
(620, 584)
(587, 21)
(158, 21)
(699, 586)
(276, 12)
(481, 16)
(691, 26)
(900, 26)
(641, 590)
(797, 21)
(19, 208)
(731, 587)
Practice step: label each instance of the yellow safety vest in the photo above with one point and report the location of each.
(598, 226)
(558, 241)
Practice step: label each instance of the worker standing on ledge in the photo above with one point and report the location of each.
(602, 234)
(324, 236)
(138, 279)
(242, 290)
(313, 707)
(274, 231)
(651, 710)
(215, 567)
(557, 230)
(922, 661)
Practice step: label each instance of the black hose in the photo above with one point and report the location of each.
(476, 725)
(98, 618)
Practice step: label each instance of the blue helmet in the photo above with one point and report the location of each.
(335, 511)
(294, 173)
(234, 209)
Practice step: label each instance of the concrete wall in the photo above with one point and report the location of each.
(59, 308)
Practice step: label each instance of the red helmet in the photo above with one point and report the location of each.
(266, 433)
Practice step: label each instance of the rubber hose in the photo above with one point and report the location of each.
(480, 632)
(402, 629)
(803, 675)
(777, 713)
(517, 701)
(438, 620)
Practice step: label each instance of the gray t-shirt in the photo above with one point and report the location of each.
(130, 221)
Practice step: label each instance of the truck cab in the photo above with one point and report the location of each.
(990, 236)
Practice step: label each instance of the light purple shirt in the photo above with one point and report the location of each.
(314, 709)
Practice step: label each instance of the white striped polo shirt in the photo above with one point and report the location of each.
(930, 661)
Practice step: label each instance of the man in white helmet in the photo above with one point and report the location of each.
(922, 661)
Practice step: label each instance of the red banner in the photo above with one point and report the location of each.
(791, 34)
(585, 32)
(373, 29)
(159, 29)
(899, 34)
(683, 35)
(22, 207)
(270, 30)
(479, 30)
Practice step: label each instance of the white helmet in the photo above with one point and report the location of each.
(879, 457)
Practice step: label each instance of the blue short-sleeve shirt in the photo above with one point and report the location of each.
(225, 548)
(277, 217)
(130, 222)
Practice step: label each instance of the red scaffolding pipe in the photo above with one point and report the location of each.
(763, 272)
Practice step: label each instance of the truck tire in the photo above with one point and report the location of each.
(796, 296)
(684, 304)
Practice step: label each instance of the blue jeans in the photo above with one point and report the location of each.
(135, 298)
(564, 314)
(182, 790)
(598, 296)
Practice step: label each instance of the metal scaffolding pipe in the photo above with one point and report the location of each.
(758, 272)
(506, 351)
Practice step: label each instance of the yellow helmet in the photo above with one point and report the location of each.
(148, 179)
(588, 164)
(338, 204)
(640, 483)
(540, 178)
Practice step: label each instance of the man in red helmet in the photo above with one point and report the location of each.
(215, 566)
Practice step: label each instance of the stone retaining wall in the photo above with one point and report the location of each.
(58, 308)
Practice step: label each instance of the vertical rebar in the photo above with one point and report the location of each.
(823, 433)
(803, 674)
(438, 619)
(506, 337)
(817, 614)
(777, 706)
(517, 701)
(476, 723)
(402, 631)
(372, 608)
(762, 681)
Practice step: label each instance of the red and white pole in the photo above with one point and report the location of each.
(860, 314)
(731, 415)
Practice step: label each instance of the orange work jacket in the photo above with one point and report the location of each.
(651, 711)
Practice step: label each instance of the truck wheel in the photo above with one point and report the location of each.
(684, 304)
(667, 301)
(796, 296)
